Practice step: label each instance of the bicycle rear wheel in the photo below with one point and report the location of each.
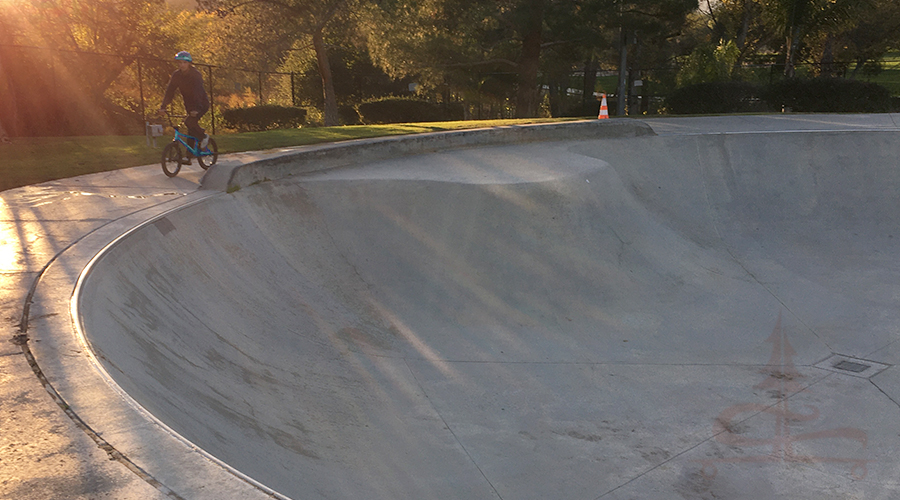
(171, 159)
(209, 155)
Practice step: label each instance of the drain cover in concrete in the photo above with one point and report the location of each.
(855, 367)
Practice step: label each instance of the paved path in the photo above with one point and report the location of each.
(44, 453)
(655, 317)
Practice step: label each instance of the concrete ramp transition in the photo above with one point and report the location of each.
(654, 317)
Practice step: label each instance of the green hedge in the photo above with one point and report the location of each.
(403, 110)
(715, 97)
(348, 115)
(258, 118)
(816, 95)
(828, 95)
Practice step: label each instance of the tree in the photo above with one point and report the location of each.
(288, 20)
(740, 22)
(356, 78)
(800, 19)
(708, 63)
(8, 108)
(484, 42)
(528, 20)
(468, 45)
(865, 40)
(643, 24)
(61, 96)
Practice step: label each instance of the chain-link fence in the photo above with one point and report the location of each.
(648, 90)
(46, 92)
(66, 92)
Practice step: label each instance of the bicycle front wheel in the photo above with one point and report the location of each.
(171, 159)
(209, 155)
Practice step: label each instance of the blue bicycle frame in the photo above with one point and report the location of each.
(173, 156)
(181, 137)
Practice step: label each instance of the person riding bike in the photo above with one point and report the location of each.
(189, 81)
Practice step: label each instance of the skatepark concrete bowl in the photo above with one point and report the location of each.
(614, 311)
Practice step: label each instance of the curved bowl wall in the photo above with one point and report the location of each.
(537, 320)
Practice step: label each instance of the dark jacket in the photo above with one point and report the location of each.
(190, 83)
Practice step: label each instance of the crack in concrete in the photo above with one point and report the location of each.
(101, 443)
(450, 429)
(21, 339)
(713, 437)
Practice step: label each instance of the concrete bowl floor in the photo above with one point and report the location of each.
(700, 313)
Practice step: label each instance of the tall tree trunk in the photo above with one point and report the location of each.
(793, 45)
(859, 64)
(555, 101)
(528, 93)
(7, 105)
(746, 15)
(797, 17)
(741, 41)
(622, 89)
(826, 64)
(634, 73)
(9, 115)
(331, 109)
(589, 84)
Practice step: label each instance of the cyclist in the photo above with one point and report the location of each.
(189, 81)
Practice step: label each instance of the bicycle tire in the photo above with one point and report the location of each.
(208, 160)
(171, 159)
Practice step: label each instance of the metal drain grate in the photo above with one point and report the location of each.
(855, 367)
(850, 366)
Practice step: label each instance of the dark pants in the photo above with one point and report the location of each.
(193, 126)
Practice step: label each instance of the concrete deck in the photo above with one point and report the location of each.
(690, 308)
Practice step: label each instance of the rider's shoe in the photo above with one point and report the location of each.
(205, 141)
(186, 160)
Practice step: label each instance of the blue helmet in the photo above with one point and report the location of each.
(184, 56)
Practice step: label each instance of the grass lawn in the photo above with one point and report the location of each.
(32, 160)
(890, 75)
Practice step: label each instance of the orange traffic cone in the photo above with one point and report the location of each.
(604, 112)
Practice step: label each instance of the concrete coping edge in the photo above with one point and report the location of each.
(320, 157)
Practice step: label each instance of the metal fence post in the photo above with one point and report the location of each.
(141, 87)
(212, 99)
(622, 92)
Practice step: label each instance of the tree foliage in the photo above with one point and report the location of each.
(356, 77)
(709, 63)
(497, 57)
(285, 21)
(73, 89)
(503, 49)
(829, 34)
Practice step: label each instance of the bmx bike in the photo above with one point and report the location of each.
(179, 152)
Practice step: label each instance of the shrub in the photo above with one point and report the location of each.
(709, 63)
(590, 108)
(348, 115)
(402, 110)
(267, 117)
(715, 97)
(828, 95)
